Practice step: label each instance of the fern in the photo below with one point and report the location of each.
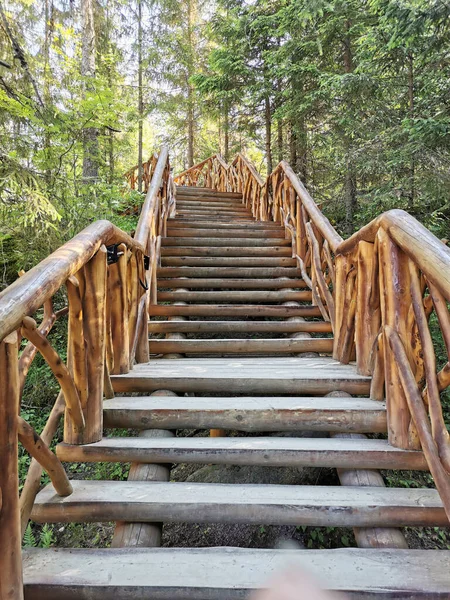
(46, 537)
(29, 540)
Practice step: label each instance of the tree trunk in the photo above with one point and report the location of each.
(280, 139)
(88, 59)
(226, 133)
(412, 168)
(292, 147)
(191, 12)
(111, 156)
(47, 93)
(350, 178)
(140, 98)
(268, 123)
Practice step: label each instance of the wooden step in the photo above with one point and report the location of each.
(229, 216)
(233, 310)
(232, 327)
(224, 242)
(230, 573)
(228, 284)
(265, 451)
(225, 233)
(207, 206)
(235, 296)
(221, 272)
(225, 251)
(215, 346)
(254, 414)
(254, 226)
(195, 192)
(314, 506)
(278, 375)
(227, 261)
(212, 212)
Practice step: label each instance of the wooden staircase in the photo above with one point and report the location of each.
(245, 348)
(235, 311)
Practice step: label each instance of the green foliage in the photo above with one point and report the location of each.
(46, 537)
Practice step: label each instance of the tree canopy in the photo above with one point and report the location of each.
(353, 94)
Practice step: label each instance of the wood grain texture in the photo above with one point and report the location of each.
(132, 532)
(247, 296)
(94, 331)
(60, 371)
(146, 501)
(201, 251)
(237, 310)
(10, 538)
(238, 232)
(270, 451)
(247, 413)
(227, 242)
(232, 327)
(245, 375)
(229, 573)
(39, 450)
(227, 261)
(219, 346)
(255, 272)
(228, 283)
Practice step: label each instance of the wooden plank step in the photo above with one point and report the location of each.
(208, 212)
(213, 214)
(226, 233)
(286, 375)
(226, 251)
(254, 414)
(233, 310)
(196, 192)
(228, 261)
(235, 296)
(227, 283)
(316, 506)
(206, 206)
(230, 573)
(268, 451)
(269, 346)
(232, 327)
(216, 272)
(209, 200)
(224, 242)
(254, 226)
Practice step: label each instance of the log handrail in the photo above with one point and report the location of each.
(108, 290)
(387, 277)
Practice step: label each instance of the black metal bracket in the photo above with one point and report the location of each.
(146, 262)
(113, 254)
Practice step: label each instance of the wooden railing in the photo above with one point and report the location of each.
(132, 176)
(378, 289)
(108, 284)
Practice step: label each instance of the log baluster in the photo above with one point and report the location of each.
(94, 330)
(10, 539)
(60, 371)
(368, 316)
(118, 303)
(395, 285)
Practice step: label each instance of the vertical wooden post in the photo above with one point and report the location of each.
(133, 300)
(76, 351)
(11, 587)
(395, 305)
(341, 266)
(367, 318)
(118, 301)
(94, 331)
